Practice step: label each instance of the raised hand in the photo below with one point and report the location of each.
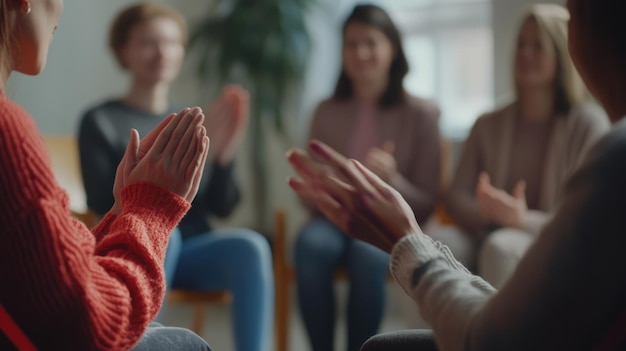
(380, 161)
(498, 206)
(226, 120)
(351, 196)
(174, 158)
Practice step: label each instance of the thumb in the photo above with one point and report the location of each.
(484, 178)
(132, 152)
(519, 191)
(389, 147)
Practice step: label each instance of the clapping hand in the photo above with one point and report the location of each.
(351, 196)
(226, 120)
(171, 156)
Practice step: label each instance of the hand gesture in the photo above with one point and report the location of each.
(381, 161)
(497, 206)
(351, 196)
(172, 156)
(226, 120)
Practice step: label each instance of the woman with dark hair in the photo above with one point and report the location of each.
(372, 119)
(567, 293)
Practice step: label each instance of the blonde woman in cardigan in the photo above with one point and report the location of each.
(516, 159)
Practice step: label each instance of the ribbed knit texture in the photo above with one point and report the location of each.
(66, 288)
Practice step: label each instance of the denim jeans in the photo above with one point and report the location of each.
(236, 260)
(321, 248)
(160, 338)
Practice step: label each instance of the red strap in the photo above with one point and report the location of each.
(614, 337)
(14, 333)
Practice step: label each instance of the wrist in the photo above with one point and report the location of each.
(116, 209)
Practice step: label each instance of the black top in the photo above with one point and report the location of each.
(103, 135)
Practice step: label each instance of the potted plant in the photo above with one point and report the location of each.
(264, 45)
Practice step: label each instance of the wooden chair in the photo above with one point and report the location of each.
(285, 275)
(63, 151)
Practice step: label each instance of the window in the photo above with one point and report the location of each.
(449, 45)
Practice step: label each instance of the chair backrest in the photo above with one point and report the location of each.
(63, 151)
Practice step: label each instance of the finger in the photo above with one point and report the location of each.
(484, 178)
(199, 168)
(149, 139)
(342, 192)
(180, 137)
(519, 191)
(306, 166)
(188, 130)
(389, 147)
(341, 165)
(193, 153)
(131, 155)
(381, 187)
(165, 135)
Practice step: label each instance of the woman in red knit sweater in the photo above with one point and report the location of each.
(64, 287)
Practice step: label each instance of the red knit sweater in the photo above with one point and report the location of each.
(65, 287)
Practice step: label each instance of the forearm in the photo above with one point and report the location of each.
(108, 292)
(448, 296)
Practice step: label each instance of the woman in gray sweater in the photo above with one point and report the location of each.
(567, 293)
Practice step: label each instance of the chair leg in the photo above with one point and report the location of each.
(282, 282)
(198, 318)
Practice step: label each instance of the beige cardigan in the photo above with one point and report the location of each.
(568, 290)
(489, 146)
(413, 126)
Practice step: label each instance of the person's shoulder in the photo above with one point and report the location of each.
(13, 116)
(589, 114)
(423, 107)
(494, 118)
(102, 109)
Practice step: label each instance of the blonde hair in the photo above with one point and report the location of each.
(552, 23)
(138, 14)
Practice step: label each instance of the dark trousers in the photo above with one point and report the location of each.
(404, 340)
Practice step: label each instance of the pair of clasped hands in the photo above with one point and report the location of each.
(171, 156)
(350, 195)
(174, 153)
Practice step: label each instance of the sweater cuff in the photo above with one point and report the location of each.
(103, 226)
(408, 255)
(145, 197)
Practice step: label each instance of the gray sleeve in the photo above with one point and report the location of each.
(567, 290)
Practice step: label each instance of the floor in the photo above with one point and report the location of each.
(218, 333)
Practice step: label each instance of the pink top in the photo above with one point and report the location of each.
(365, 134)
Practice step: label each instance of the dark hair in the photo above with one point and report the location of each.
(375, 16)
(138, 14)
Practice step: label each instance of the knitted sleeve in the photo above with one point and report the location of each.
(65, 291)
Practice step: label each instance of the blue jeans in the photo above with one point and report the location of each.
(160, 338)
(321, 248)
(236, 260)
